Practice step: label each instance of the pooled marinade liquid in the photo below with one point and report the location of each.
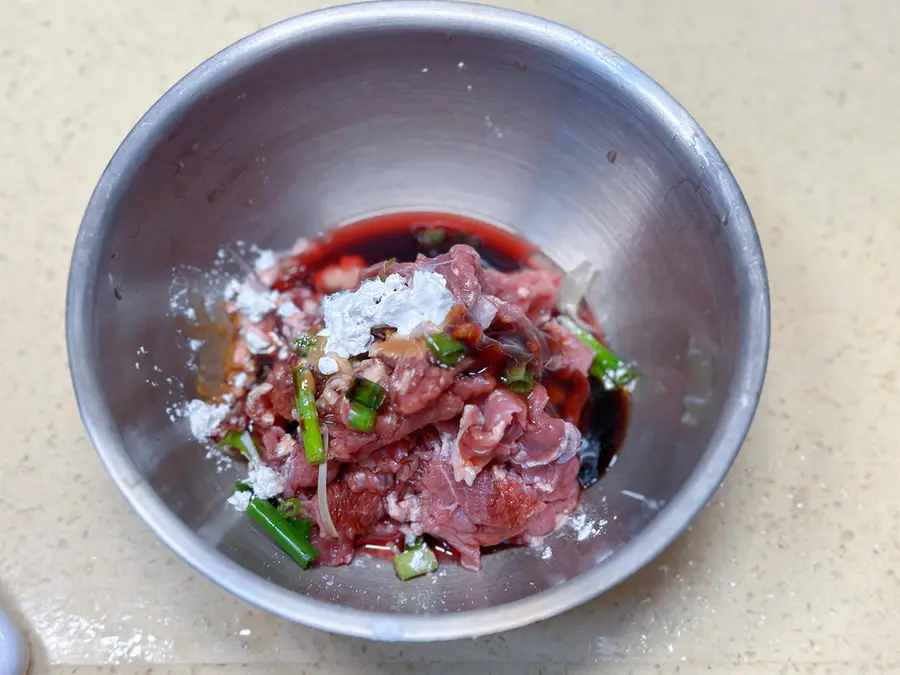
(404, 236)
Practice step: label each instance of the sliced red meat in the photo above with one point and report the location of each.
(557, 485)
(347, 444)
(332, 552)
(472, 386)
(495, 508)
(301, 475)
(415, 383)
(463, 271)
(546, 438)
(284, 392)
(352, 510)
(259, 406)
(486, 432)
(569, 353)
(532, 290)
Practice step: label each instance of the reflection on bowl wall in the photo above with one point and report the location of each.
(399, 106)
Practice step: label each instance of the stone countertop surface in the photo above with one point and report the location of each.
(795, 564)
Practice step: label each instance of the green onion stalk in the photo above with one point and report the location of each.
(518, 379)
(606, 366)
(291, 535)
(415, 560)
(448, 350)
(311, 433)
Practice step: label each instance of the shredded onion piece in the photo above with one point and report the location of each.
(250, 446)
(483, 311)
(573, 288)
(322, 490)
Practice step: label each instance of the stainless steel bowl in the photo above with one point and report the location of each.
(358, 110)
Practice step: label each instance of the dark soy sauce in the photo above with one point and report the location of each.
(403, 236)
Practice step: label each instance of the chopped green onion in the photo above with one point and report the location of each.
(385, 266)
(448, 350)
(304, 343)
(309, 418)
(415, 560)
(285, 533)
(289, 508)
(361, 417)
(303, 527)
(519, 379)
(606, 367)
(369, 393)
(242, 441)
(232, 439)
(431, 237)
(241, 487)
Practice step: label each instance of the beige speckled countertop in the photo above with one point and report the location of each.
(794, 567)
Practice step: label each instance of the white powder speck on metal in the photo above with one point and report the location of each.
(546, 553)
(142, 351)
(244, 632)
(204, 417)
(194, 345)
(424, 70)
(351, 316)
(264, 259)
(461, 65)
(583, 526)
(654, 504)
(222, 461)
(137, 366)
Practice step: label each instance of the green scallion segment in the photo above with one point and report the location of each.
(241, 487)
(364, 391)
(448, 350)
(309, 418)
(431, 237)
(606, 367)
(290, 508)
(415, 560)
(232, 439)
(519, 379)
(285, 533)
(385, 266)
(361, 417)
(303, 527)
(304, 343)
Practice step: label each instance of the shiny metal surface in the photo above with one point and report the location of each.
(341, 114)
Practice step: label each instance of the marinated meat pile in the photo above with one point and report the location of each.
(455, 453)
